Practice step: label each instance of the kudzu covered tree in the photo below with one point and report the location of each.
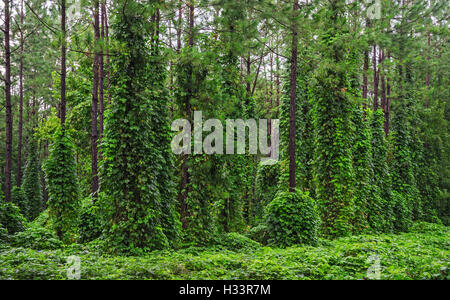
(333, 106)
(31, 185)
(137, 216)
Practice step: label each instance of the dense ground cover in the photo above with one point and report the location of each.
(423, 253)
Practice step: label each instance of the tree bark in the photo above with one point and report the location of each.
(62, 112)
(20, 129)
(387, 112)
(94, 108)
(185, 169)
(101, 75)
(293, 95)
(375, 79)
(9, 117)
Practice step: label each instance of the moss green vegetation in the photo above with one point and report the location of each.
(423, 253)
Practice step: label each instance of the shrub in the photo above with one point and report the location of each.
(259, 233)
(292, 218)
(238, 242)
(90, 227)
(63, 200)
(19, 199)
(3, 235)
(424, 227)
(11, 218)
(37, 238)
(402, 212)
(31, 185)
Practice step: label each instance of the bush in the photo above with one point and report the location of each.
(89, 224)
(292, 218)
(238, 242)
(423, 227)
(11, 218)
(37, 238)
(402, 212)
(259, 233)
(19, 199)
(3, 235)
(63, 202)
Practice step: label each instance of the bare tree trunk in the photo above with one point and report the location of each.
(101, 75)
(105, 21)
(365, 70)
(179, 28)
(382, 82)
(293, 95)
(387, 112)
(94, 108)
(375, 79)
(62, 112)
(9, 117)
(20, 129)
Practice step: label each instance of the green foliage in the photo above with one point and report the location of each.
(237, 242)
(18, 198)
(31, 185)
(90, 224)
(11, 219)
(259, 233)
(402, 257)
(36, 238)
(4, 238)
(381, 215)
(333, 103)
(292, 218)
(367, 197)
(402, 211)
(407, 198)
(266, 187)
(62, 182)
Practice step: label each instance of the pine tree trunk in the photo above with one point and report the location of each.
(20, 129)
(9, 118)
(62, 112)
(375, 79)
(185, 169)
(387, 112)
(94, 108)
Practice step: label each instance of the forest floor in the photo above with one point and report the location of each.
(423, 253)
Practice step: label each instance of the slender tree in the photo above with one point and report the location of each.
(8, 107)
(293, 95)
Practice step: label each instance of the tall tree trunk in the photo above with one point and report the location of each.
(101, 74)
(293, 95)
(382, 82)
(365, 70)
(106, 30)
(375, 79)
(180, 27)
(62, 108)
(185, 169)
(9, 118)
(387, 112)
(94, 108)
(20, 129)
(428, 80)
